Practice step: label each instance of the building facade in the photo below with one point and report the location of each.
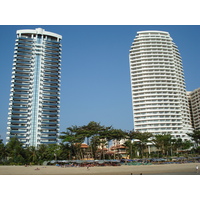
(35, 88)
(194, 100)
(159, 99)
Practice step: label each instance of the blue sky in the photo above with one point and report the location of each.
(95, 77)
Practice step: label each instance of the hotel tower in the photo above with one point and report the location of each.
(35, 88)
(194, 100)
(159, 99)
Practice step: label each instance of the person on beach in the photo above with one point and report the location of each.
(197, 169)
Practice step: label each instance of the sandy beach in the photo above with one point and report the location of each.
(165, 169)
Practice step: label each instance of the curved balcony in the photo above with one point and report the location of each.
(18, 121)
(18, 127)
(51, 87)
(52, 73)
(50, 109)
(50, 81)
(23, 80)
(25, 42)
(19, 112)
(49, 142)
(49, 118)
(20, 107)
(49, 137)
(51, 90)
(18, 49)
(48, 132)
(55, 112)
(14, 133)
(46, 55)
(19, 117)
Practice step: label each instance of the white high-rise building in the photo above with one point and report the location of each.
(194, 99)
(159, 97)
(35, 88)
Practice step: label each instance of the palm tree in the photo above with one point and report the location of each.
(187, 145)
(53, 151)
(32, 155)
(195, 136)
(15, 151)
(42, 152)
(65, 151)
(163, 142)
(143, 139)
(179, 144)
(176, 144)
(130, 148)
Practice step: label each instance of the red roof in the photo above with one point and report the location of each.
(84, 145)
(110, 152)
(119, 146)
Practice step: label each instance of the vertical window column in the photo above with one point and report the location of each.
(35, 101)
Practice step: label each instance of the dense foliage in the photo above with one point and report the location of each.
(97, 137)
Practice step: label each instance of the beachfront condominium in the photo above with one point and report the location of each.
(159, 99)
(194, 100)
(35, 88)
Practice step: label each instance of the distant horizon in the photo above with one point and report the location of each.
(95, 76)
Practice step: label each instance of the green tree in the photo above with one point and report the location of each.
(3, 151)
(42, 152)
(195, 136)
(64, 151)
(96, 135)
(16, 152)
(31, 155)
(143, 139)
(94, 143)
(176, 144)
(187, 145)
(74, 140)
(130, 148)
(53, 151)
(179, 144)
(117, 134)
(92, 129)
(163, 142)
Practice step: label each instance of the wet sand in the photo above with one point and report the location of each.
(164, 169)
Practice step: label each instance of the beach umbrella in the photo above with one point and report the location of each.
(101, 161)
(65, 161)
(75, 161)
(90, 161)
(79, 161)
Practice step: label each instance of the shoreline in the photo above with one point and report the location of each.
(165, 169)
